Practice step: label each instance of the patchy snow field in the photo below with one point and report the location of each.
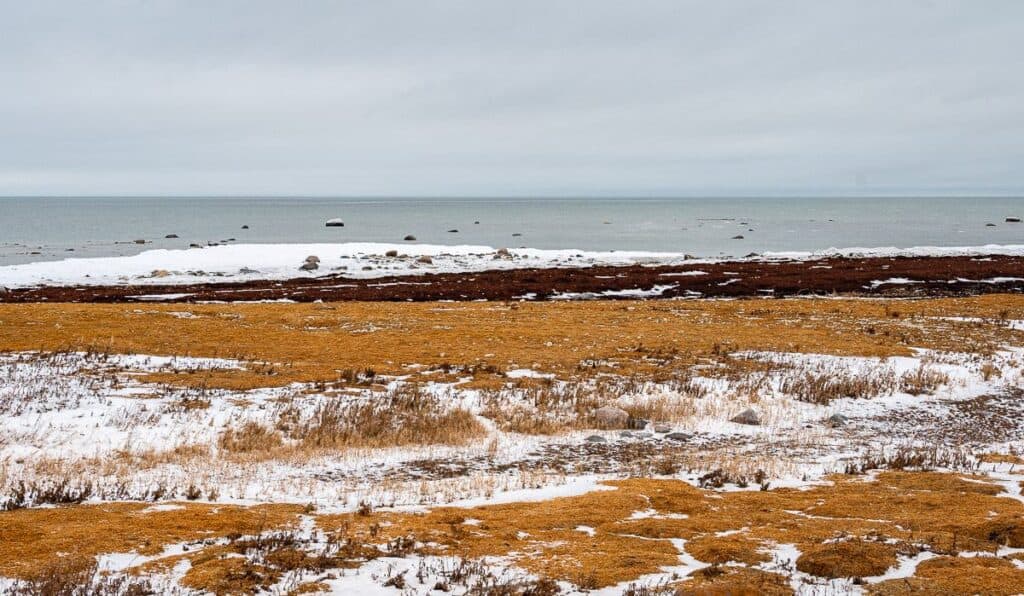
(94, 428)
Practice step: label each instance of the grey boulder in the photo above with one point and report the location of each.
(748, 417)
(611, 417)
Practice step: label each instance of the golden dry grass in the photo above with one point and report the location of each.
(32, 538)
(326, 342)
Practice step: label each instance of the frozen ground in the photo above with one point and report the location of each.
(95, 424)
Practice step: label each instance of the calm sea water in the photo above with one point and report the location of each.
(58, 228)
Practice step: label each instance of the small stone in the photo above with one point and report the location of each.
(410, 238)
(1012, 220)
(637, 423)
(391, 253)
(171, 236)
(680, 437)
(502, 252)
(748, 417)
(596, 439)
(245, 227)
(140, 241)
(247, 271)
(836, 420)
(194, 245)
(990, 225)
(662, 428)
(160, 273)
(642, 435)
(738, 237)
(476, 223)
(335, 223)
(309, 266)
(313, 259)
(425, 259)
(626, 434)
(453, 231)
(517, 234)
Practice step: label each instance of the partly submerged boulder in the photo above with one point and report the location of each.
(410, 238)
(391, 253)
(309, 266)
(425, 259)
(596, 439)
(335, 223)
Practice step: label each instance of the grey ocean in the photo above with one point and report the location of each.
(57, 228)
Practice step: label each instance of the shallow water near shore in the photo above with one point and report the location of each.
(46, 229)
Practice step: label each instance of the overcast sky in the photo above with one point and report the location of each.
(515, 97)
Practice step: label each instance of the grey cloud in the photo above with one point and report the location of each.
(499, 98)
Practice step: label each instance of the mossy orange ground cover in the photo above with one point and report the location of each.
(324, 342)
(851, 526)
(32, 539)
(944, 512)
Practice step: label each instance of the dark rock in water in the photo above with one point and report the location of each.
(836, 420)
(69, 250)
(596, 439)
(642, 435)
(502, 252)
(309, 266)
(140, 241)
(425, 259)
(751, 255)
(171, 236)
(247, 271)
(453, 231)
(391, 253)
(662, 428)
(680, 437)
(1012, 220)
(367, 268)
(245, 227)
(626, 434)
(194, 245)
(516, 234)
(335, 223)
(738, 237)
(990, 225)
(312, 259)
(410, 238)
(748, 417)
(476, 223)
